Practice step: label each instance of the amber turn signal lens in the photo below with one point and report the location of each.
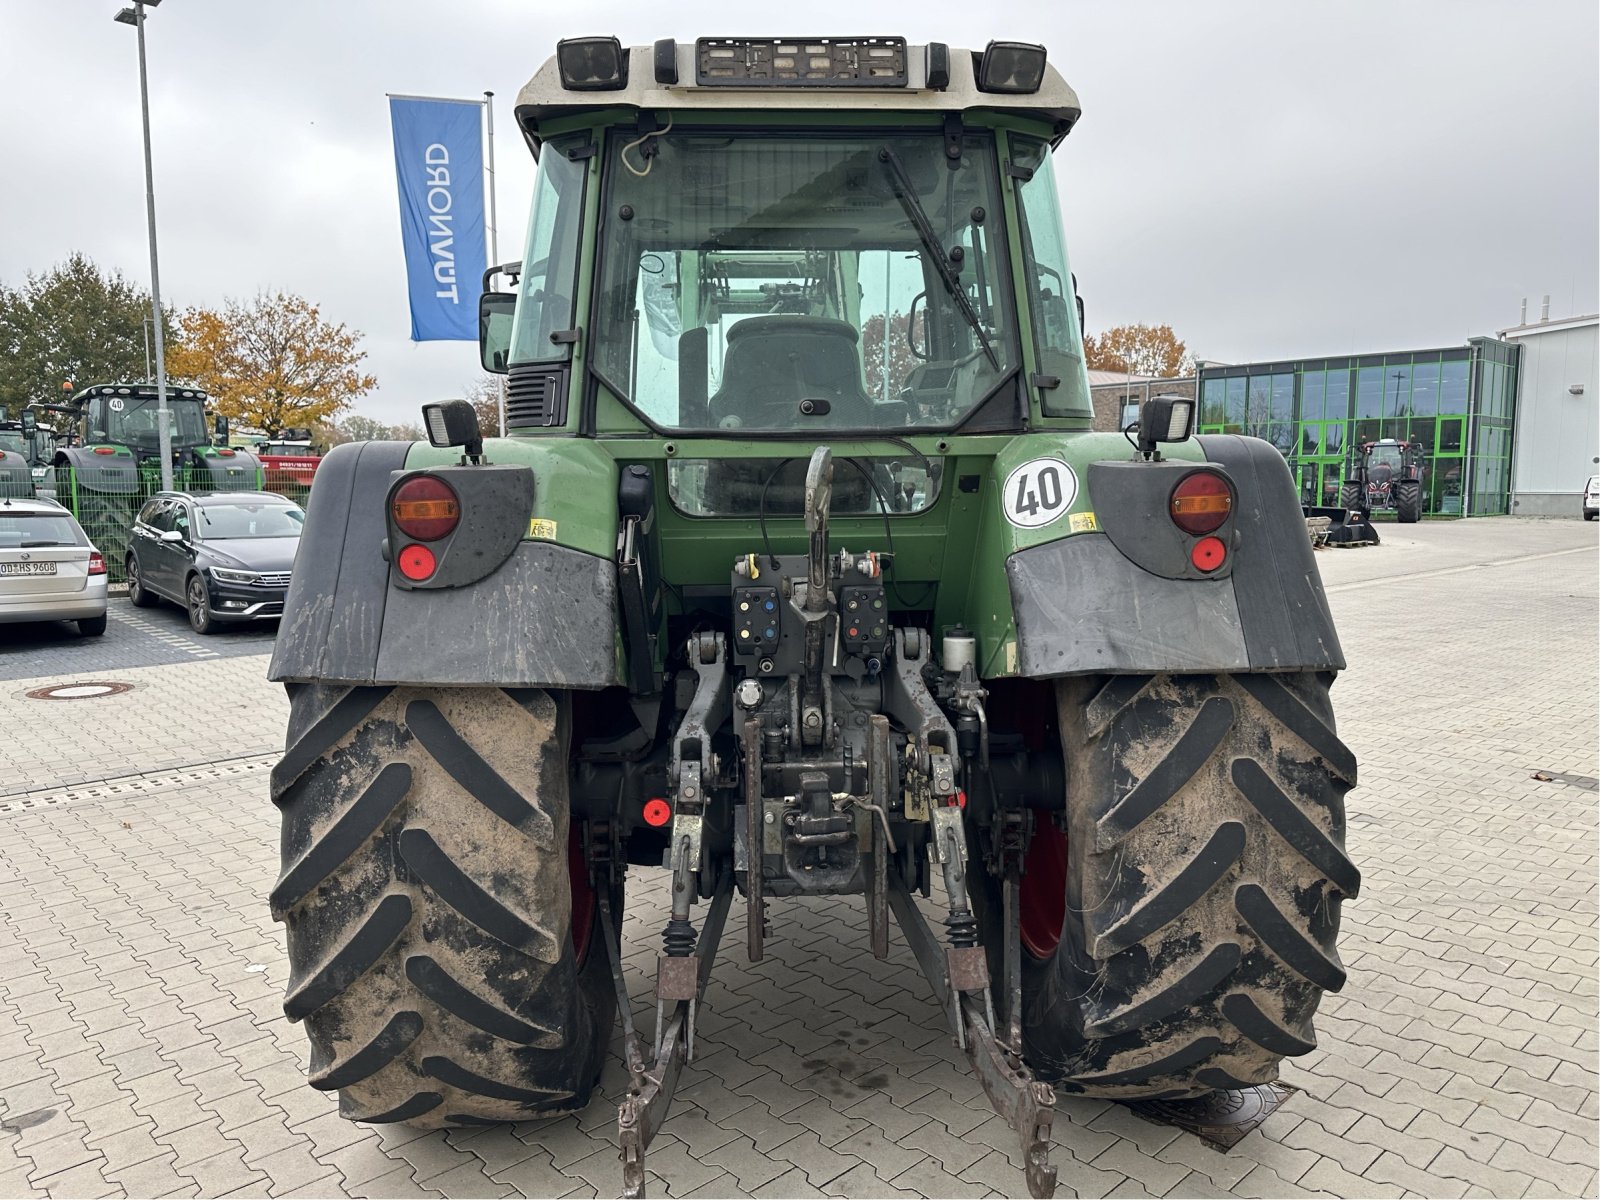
(426, 508)
(1201, 502)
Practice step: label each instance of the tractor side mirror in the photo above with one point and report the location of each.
(495, 310)
(30, 423)
(222, 428)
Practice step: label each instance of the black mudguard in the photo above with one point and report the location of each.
(1084, 607)
(240, 472)
(103, 474)
(547, 617)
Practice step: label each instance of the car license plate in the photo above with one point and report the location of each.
(27, 568)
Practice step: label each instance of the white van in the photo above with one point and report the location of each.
(1591, 498)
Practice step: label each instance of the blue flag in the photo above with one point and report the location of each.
(438, 158)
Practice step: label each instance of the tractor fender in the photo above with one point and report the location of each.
(547, 616)
(1083, 606)
(239, 472)
(16, 476)
(108, 474)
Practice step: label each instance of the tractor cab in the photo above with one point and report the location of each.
(125, 416)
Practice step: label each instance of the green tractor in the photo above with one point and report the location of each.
(802, 573)
(113, 463)
(25, 452)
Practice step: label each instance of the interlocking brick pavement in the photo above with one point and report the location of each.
(145, 1052)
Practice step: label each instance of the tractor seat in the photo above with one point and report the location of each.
(773, 363)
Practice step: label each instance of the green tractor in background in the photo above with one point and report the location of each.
(112, 463)
(802, 573)
(26, 450)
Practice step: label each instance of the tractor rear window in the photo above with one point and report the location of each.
(821, 283)
(720, 487)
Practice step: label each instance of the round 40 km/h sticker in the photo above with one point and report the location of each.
(1038, 492)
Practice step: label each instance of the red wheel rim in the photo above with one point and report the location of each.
(1044, 890)
(583, 897)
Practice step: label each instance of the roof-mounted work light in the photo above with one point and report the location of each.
(453, 423)
(1164, 419)
(1015, 68)
(592, 64)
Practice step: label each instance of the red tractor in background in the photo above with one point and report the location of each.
(289, 461)
(1385, 474)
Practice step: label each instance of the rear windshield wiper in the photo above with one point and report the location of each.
(907, 195)
(46, 542)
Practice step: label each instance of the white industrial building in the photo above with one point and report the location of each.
(1557, 441)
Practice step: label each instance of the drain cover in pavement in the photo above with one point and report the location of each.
(80, 691)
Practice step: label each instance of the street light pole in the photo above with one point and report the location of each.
(135, 16)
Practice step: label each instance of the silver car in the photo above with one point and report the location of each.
(48, 569)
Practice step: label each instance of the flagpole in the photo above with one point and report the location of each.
(493, 231)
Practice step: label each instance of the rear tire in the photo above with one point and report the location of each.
(1205, 866)
(92, 626)
(1408, 501)
(137, 595)
(430, 912)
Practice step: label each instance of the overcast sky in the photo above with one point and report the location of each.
(1271, 179)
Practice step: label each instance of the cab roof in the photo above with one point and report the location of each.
(544, 97)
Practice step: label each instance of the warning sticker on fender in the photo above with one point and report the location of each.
(1083, 523)
(538, 527)
(1038, 492)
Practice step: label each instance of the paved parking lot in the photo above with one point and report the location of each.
(144, 1051)
(134, 637)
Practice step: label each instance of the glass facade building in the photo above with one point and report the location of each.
(1458, 402)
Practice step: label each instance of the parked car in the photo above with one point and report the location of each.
(1591, 498)
(223, 556)
(49, 570)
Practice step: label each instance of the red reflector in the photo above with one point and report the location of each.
(657, 812)
(97, 563)
(1201, 502)
(104, 450)
(425, 508)
(417, 562)
(225, 453)
(1208, 554)
(961, 799)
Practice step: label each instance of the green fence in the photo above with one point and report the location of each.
(106, 500)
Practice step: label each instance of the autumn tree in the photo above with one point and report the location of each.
(74, 323)
(273, 363)
(1140, 349)
(484, 395)
(358, 427)
(900, 358)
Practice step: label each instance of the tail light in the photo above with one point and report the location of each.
(657, 812)
(1201, 502)
(105, 450)
(1208, 554)
(97, 563)
(417, 563)
(426, 508)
